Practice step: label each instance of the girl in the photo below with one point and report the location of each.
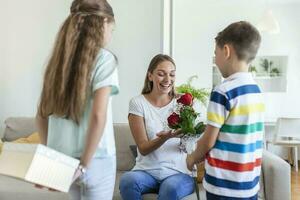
(74, 115)
(160, 166)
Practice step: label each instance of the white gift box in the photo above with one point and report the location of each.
(38, 164)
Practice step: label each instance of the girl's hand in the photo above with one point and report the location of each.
(169, 134)
(42, 187)
(76, 175)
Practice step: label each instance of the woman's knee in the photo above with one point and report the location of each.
(177, 187)
(128, 180)
(168, 191)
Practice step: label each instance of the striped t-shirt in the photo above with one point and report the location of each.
(233, 165)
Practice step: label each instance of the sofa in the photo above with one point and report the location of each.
(275, 178)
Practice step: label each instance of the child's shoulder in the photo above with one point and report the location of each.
(105, 56)
(105, 53)
(139, 99)
(105, 63)
(239, 81)
(221, 88)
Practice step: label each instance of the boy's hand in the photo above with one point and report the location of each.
(190, 162)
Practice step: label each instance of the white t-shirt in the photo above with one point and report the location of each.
(167, 160)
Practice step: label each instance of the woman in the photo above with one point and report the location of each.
(160, 166)
(74, 115)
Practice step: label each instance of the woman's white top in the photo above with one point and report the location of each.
(167, 160)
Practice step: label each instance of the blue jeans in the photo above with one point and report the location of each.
(134, 184)
(210, 196)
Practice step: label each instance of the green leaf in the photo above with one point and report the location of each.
(200, 128)
(201, 94)
(188, 117)
(187, 114)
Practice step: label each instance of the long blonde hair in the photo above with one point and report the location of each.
(156, 60)
(68, 73)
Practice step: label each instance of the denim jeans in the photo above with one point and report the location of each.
(210, 196)
(134, 184)
(97, 183)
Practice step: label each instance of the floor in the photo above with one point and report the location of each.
(295, 185)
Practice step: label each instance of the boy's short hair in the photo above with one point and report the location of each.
(244, 38)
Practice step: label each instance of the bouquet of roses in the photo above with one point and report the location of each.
(185, 117)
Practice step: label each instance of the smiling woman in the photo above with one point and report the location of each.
(160, 166)
(161, 70)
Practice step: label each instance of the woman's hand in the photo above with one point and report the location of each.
(165, 135)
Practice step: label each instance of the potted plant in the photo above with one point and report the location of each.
(253, 70)
(274, 72)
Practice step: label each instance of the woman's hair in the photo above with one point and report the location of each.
(68, 72)
(156, 60)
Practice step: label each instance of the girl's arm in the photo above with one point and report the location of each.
(138, 130)
(96, 124)
(42, 127)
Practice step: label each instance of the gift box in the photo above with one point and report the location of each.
(38, 164)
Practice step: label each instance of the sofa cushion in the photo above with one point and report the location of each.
(14, 189)
(33, 138)
(1, 144)
(276, 177)
(17, 127)
(261, 192)
(133, 150)
(123, 137)
(1, 134)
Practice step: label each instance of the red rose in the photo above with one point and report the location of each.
(186, 99)
(173, 120)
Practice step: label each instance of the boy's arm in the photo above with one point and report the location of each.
(204, 144)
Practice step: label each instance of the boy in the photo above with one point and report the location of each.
(232, 142)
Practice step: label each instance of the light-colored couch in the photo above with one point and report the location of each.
(275, 178)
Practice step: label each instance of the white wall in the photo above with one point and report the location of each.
(137, 38)
(28, 30)
(196, 23)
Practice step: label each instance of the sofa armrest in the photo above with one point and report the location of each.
(17, 127)
(276, 176)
